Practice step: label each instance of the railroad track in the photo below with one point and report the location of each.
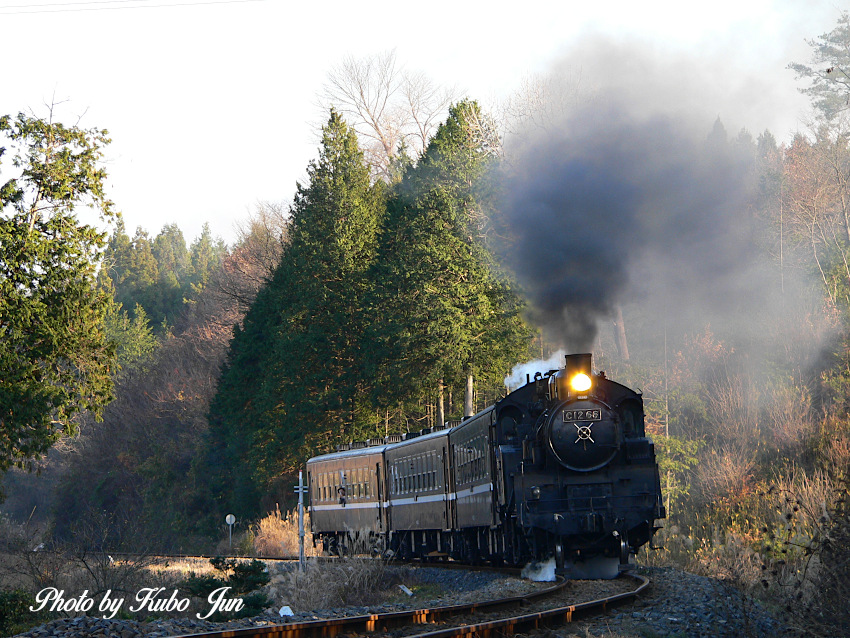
(547, 607)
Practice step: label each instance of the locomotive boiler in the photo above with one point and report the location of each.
(559, 468)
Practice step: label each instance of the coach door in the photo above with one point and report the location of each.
(379, 496)
(449, 491)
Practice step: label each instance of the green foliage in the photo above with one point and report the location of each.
(15, 615)
(830, 70)
(55, 356)
(370, 306)
(244, 579)
(676, 457)
(446, 310)
(243, 576)
(134, 338)
(160, 275)
(201, 586)
(293, 376)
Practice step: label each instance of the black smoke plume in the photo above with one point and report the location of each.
(612, 203)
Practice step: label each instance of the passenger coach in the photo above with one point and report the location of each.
(560, 467)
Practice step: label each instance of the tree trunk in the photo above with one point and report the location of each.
(467, 398)
(620, 334)
(441, 407)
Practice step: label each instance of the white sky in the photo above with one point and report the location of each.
(212, 107)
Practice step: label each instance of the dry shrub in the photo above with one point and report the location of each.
(670, 547)
(276, 535)
(809, 559)
(30, 560)
(733, 410)
(806, 495)
(729, 557)
(725, 473)
(789, 417)
(838, 453)
(329, 585)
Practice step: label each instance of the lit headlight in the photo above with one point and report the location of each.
(580, 382)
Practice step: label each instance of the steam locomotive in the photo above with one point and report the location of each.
(559, 468)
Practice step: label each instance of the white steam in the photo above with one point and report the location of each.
(540, 572)
(518, 374)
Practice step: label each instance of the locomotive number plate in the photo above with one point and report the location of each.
(582, 415)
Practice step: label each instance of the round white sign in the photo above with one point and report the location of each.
(230, 519)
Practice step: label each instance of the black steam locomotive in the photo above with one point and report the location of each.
(560, 468)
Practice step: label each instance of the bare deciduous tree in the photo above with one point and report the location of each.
(252, 261)
(390, 109)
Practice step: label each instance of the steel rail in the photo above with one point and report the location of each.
(328, 628)
(529, 622)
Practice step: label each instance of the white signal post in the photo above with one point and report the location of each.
(230, 519)
(301, 489)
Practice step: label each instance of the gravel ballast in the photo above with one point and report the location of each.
(676, 604)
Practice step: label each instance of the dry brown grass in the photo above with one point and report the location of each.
(31, 561)
(725, 473)
(330, 585)
(276, 535)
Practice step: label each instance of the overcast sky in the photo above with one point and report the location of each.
(211, 105)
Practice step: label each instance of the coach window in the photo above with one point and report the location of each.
(417, 476)
(434, 465)
(433, 471)
(425, 485)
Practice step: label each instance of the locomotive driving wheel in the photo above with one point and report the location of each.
(625, 550)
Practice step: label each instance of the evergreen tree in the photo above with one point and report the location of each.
(449, 313)
(294, 378)
(173, 269)
(55, 357)
(830, 73)
(205, 256)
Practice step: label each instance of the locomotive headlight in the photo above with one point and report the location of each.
(580, 382)
(535, 493)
